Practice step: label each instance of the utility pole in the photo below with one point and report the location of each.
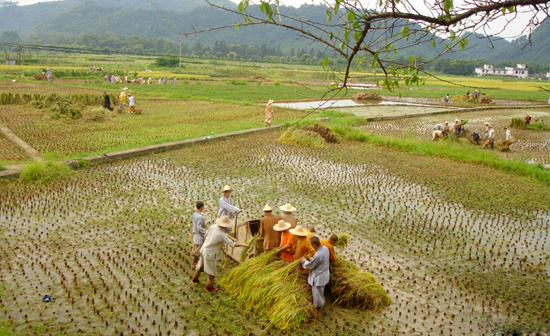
(19, 53)
(180, 52)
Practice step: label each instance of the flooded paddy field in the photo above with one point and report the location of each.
(112, 243)
(530, 145)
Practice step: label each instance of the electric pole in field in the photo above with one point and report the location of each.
(20, 53)
(180, 52)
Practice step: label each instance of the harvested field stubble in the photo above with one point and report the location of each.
(112, 243)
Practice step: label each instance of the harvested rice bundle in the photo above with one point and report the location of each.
(342, 241)
(272, 289)
(352, 287)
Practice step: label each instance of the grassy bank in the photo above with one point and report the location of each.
(449, 150)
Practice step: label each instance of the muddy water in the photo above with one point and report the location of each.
(112, 245)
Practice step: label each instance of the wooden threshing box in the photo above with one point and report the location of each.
(244, 233)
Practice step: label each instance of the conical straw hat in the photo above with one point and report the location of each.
(267, 208)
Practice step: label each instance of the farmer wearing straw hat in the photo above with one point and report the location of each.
(211, 251)
(320, 274)
(225, 206)
(122, 98)
(287, 215)
(303, 246)
(269, 113)
(131, 104)
(286, 247)
(271, 237)
(490, 137)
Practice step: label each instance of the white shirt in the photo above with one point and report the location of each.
(215, 237)
(226, 207)
(131, 101)
(491, 134)
(508, 134)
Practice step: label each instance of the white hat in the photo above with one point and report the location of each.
(281, 226)
(486, 123)
(287, 208)
(267, 208)
(269, 102)
(227, 188)
(300, 231)
(224, 222)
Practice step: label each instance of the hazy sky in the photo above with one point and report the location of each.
(511, 32)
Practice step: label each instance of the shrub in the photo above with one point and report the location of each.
(237, 82)
(2, 167)
(41, 172)
(299, 137)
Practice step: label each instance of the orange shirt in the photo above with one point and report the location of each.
(327, 244)
(303, 248)
(287, 238)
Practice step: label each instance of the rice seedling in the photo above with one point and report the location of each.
(351, 287)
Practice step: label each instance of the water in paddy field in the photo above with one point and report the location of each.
(377, 108)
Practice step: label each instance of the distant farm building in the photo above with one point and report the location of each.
(520, 71)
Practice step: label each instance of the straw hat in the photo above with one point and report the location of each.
(227, 188)
(281, 226)
(267, 208)
(486, 123)
(287, 208)
(446, 122)
(224, 222)
(456, 120)
(300, 231)
(269, 102)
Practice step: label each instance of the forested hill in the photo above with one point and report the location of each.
(82, 21)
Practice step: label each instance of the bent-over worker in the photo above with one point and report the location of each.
(329, 243)
(211, 251)
(303, 246)
(320, 274)
(271, 237)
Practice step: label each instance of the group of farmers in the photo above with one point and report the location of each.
(280, 233)
(443, 130)
(123, 97)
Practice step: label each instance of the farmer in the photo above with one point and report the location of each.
(490, 137)
(226, 207)
(131, 104)
(48, 75)
(508, 134)
(311, 232)
(319, 276)
(269, 113)
(122, 98)
(174, 80)
(528, 119)
(286, 247)
(446, 128)
(199, 230)
(329, 244)
(303, 246)
(456, 128)
(272, 238)
(211, 251)
(107, 101)
(287, 215)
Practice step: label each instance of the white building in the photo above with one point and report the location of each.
(520, 71)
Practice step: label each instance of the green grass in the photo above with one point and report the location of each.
(41, 172)
(2, 167)
(300, 137)
(449, 150)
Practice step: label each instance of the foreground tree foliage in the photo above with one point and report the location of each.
(376, 34)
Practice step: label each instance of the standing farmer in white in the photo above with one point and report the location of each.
(131, 104)
(211, 251)
(199, 230)
(226, 207)
(319, 276)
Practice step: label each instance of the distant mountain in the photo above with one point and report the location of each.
(63, 21)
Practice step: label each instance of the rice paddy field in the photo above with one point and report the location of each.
(460, 248)
(532, 146)
(111, 244)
